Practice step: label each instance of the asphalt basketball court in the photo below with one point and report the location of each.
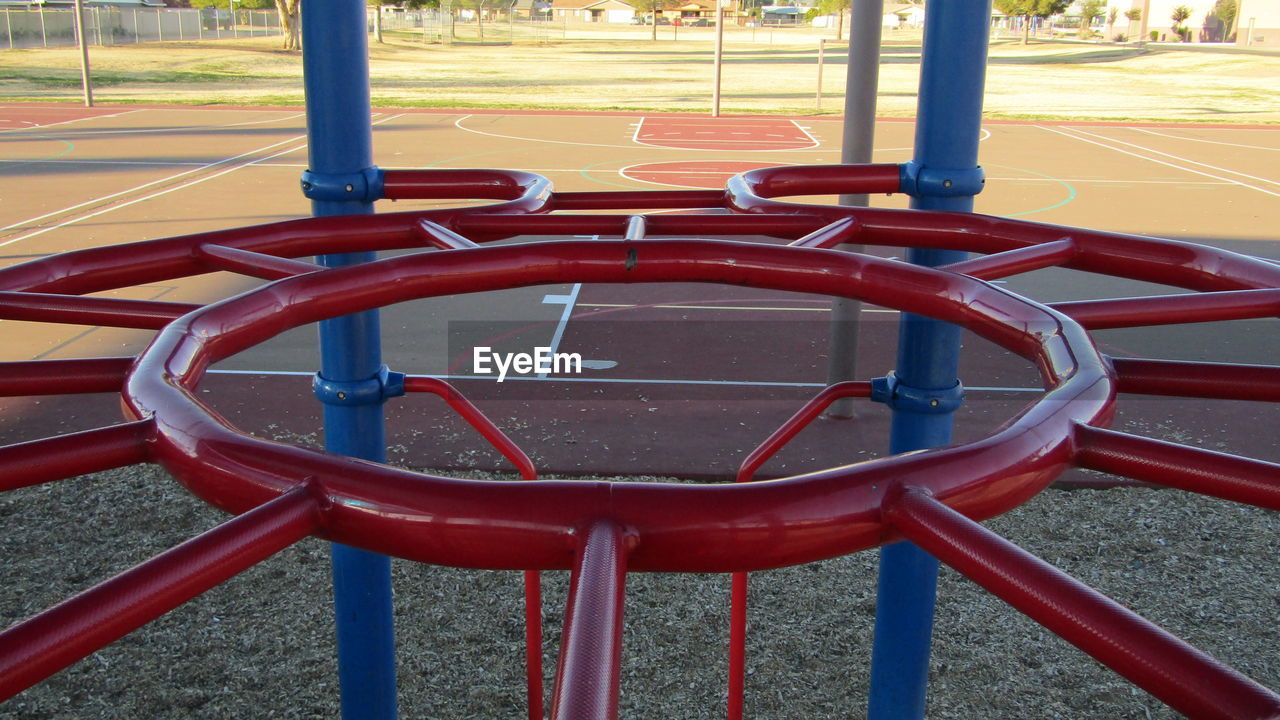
(680, 379)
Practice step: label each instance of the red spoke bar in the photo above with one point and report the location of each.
(1230, 477)
(253, 264)
(1181, 676)
(109, 312)
(63, 456)
(797, 422)
(442, 237)
(63, 377)
(837, 232)
(1013, 262)
(532, 580)
(1222, 381)
(591, 651)
(476, 419)
(44, 644)
(739, 585)
(1173, 309)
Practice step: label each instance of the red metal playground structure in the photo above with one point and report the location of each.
(920, 507)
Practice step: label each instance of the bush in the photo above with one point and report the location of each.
(1120, 37)
(1155, 35)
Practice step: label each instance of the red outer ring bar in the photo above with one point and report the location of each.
(528, 525)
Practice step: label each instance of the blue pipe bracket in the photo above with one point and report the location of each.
(372, 391)
(898, 395)
(921, 181)
(363, 186)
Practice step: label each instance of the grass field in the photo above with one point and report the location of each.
(765, 71)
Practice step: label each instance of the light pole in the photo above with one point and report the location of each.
(235, 33)
(83, 40)
(719, 61)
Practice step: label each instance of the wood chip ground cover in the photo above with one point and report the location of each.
(261, 645)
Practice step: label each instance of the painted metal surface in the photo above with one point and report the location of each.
(539, 524)
(943, 175)
(340, 160)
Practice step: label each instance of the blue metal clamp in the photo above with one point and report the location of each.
(363, 186)
(919, 180)
(377, 389)
(900, 396)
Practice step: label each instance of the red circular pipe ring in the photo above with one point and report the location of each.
(532, 525)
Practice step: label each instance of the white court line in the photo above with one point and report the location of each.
(140, 187)
(622, 172)
(569, 301)
(166, 191)
(144, 198)
(458, 124)
(813, 142)
(1158, 161)
(1101, 181)
(65, 122)
(145, 163)
(616, 381)
(1202, 140)
(175, 129)
(730, 307)
(730, 140)
(635, 137)
(1180, 158)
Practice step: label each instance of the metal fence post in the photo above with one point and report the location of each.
(336, 79)
(924, 390)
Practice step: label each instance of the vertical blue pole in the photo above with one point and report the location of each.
(341, 180)
(924, 391)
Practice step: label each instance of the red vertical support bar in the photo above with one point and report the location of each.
(532, 579)
(533, 642)
(737, 644)
(591, 652)
(738, 591)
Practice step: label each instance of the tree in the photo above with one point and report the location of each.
(288, 11)
(1227, 12)
(837, 8)
(1090, 9)
(1027, 9)
(1112, 16)
(1179, 16)
(655, 8)
(377, 19)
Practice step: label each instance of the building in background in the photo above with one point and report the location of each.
(1202, 25)
(1258, 24)
(607, 11)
